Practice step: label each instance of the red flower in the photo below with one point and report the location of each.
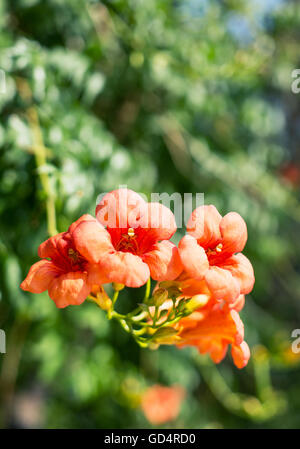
(192, 287)
(135, 243)
(162, 404)
(212, 325)
(209, 250)
(69, 274)
(211, 329)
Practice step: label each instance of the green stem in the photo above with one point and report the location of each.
(40, 154)
(242, 405)
(155, 316)
(139, 317)
(111, 313)
(139, 332)
(148, 288)
(115, 297)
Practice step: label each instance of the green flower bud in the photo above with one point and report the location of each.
(103, 300)
(164, 334)
(168, 284)
(196, 302)
(160, 296)
(174, 292)
(117, 287)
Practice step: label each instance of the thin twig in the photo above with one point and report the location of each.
(40, 152)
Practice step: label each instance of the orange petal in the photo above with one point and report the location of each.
(159, 221)
(222, 284)
(239, 325)
(193, 257)
(212, 332)
(192, 287)
(218, 351)
(216, 325)
(204, 225)
(125, 268)
(119, 208)
(240, 354)
(238, 304)
(96, 275)
(191, 321)
(85, 217)
(234, 233)
(164, 261)
(40, 276)
(49, 247)
(92, 240)
(69, 289)
(242, 270)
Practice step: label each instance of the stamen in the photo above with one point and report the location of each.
(128, 242)
(130, 232)
(219, 248)
(71, 252)
(74, 255)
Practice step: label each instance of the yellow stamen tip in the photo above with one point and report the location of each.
(130, 232)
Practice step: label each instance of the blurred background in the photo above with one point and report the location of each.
(163, 96)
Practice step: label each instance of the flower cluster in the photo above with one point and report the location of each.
(200, 284)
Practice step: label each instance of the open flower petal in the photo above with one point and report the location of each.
(40, 276)
(242, 270)
(211, 331)
(193, 257)
(240, 354)
(164, 261)
(237, 305)
(217, 324)
(120, 209)
(92, 240)
(96, 275)
(85, 217)
(48, 249)
(234, 233)
(204, 225)
(217, 350)
(239, 335)
(158, 221)
(222, 284)
(125, 268)
(69, 289)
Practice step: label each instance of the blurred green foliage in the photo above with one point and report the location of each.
(163, 96)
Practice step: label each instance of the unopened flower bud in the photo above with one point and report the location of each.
(174, 292)
(117, 287)
(196, 302)
(168, 284)
(164, 335)
(103, 300)
(160, 296)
